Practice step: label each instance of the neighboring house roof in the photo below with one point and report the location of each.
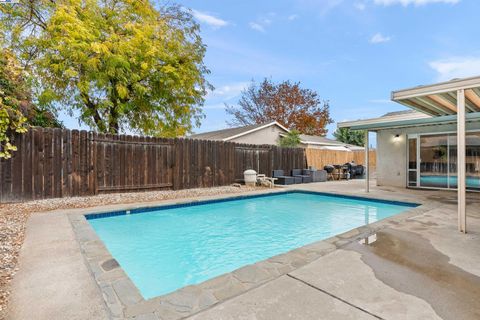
(400, 113)
(232, 133)
(387, 120)
(322, 141)
(318, 140)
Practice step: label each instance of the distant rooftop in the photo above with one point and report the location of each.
(319, 139)
(326, 141)
(399, 113)
(226, 134)
(230, 133)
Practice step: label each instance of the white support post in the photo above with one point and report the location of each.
(367, 163)
(461, 175)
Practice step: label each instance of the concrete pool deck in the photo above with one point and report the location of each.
(420, 267)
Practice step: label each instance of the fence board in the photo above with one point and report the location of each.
(26, 149)
(16, 166)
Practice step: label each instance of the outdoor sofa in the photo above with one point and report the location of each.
(282, 178)
(298, 173)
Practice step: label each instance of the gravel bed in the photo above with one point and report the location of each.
(13, 218)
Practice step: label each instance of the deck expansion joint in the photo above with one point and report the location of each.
(336, 297)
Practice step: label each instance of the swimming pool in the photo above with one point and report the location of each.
(166, 248)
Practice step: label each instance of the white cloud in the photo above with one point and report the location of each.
(359, 6)
(379, 38)
(456, 67)
(228, 91)
(257, 26)
(413, 2)
(262, 23)
(293, 17)
(209, 19)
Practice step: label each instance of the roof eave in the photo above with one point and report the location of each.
(357, 125)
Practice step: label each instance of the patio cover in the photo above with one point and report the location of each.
(456, 97)
(441, 99)
(455, 101)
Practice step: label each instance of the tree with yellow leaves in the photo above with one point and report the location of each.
(12, 96)
(121, 64)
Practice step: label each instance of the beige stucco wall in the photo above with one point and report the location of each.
(268, 135)
(392, 155)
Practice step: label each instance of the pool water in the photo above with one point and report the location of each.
(166, 249)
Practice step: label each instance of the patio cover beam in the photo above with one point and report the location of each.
(474, 98)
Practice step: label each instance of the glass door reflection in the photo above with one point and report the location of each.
(434, 171)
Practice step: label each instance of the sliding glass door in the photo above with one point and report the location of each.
(434, 171)
(432, 161)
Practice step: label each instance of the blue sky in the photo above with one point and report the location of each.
(353, 53)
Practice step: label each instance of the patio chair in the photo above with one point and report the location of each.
(264, 180)
(299, 173)
(282, 178)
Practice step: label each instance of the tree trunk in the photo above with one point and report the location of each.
(113, 121)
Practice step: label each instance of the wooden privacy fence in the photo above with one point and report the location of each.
(319, 158)
(53, 163)
(266, 158)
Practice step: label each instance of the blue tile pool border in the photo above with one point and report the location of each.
(91, 216)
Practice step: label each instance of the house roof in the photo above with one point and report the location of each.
(231, 133)
(319, 140)
(391, 123)
(396, 117)
(430, 105)
(400, 113)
